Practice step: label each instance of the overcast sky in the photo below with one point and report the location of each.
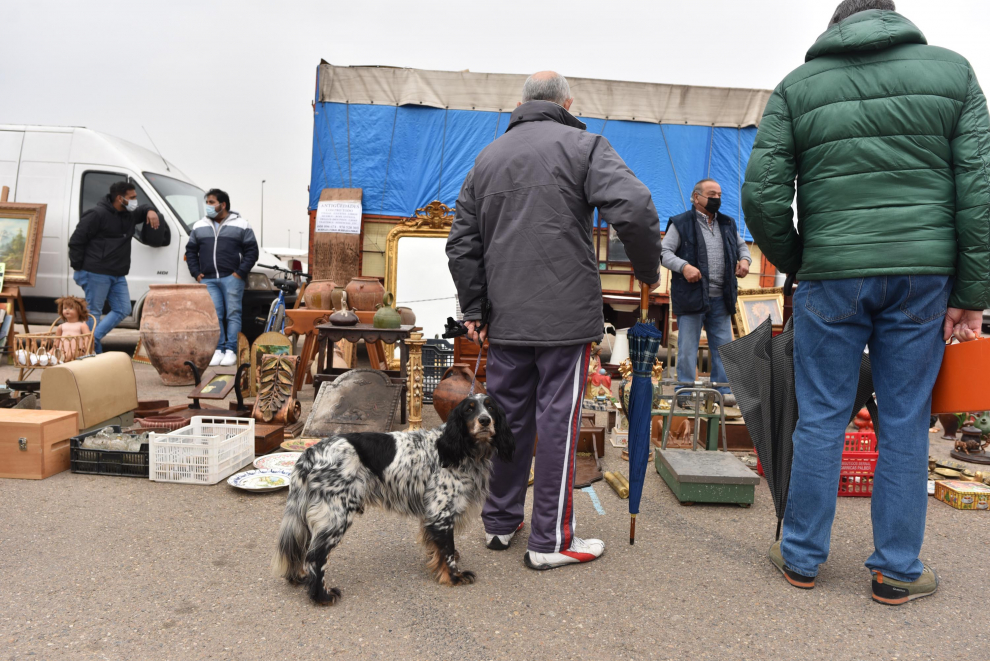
(225, 87)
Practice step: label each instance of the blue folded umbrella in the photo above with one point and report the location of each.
(644, 343)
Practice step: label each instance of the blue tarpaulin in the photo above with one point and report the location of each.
(404, 157)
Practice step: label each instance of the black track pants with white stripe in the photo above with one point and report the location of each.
(541, 389)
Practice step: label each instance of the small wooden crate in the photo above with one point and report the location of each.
(35, 444)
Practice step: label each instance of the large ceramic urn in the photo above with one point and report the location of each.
(179, 323)
(454, 386)
(318, 295)
(364, 293)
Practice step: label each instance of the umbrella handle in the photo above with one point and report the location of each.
(644, 301)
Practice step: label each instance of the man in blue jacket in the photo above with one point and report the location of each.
(221, 252)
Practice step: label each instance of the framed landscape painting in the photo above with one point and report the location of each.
(21, 229)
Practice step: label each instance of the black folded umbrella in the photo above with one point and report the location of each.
(760, 369)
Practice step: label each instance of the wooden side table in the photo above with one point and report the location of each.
(329, 335)
(304, 322)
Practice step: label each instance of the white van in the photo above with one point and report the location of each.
(70, 169)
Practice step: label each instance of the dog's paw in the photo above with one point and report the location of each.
(326, 597)
(462, 578)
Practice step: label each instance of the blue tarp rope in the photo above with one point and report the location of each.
(443, 148)
(498, 120)
(347, 111)
(738, 166)
(677, 180)
(711, 141)
(333, 143)
(323, 164)
(388, 161)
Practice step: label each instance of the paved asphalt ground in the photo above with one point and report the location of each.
(114, 568)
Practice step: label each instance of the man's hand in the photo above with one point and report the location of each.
(199, 278)
(964, 324)
(691, 273)
(152, 219)
(236, 276)
(742, 268)
(475, 334)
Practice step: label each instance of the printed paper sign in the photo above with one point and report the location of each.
(339, 216)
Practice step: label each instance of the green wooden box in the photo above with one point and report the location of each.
(702, 476)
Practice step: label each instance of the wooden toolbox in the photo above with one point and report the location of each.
(35, 444)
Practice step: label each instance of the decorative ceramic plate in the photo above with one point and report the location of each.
(260, 480)
(280, 461)
(299, 444)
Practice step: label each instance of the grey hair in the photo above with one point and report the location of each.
(849, 7)
(700, 186)
(553, 89)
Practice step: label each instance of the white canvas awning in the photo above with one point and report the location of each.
(498, 92)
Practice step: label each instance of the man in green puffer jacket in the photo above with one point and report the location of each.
(888, 140)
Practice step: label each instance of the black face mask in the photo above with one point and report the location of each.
(713, 204)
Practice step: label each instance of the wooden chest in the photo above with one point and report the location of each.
(35, 444)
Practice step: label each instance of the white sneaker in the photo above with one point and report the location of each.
(217, 357)
(501, 542)
(581, 550)
(229, 358)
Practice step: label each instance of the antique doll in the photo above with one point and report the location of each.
(74, 313)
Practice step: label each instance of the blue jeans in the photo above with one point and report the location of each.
(227, 294)
(900, 318)
(99, 288)
(718, 326)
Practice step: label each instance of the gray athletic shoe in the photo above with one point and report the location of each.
(892, 592)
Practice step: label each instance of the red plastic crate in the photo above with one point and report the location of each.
(859, 462)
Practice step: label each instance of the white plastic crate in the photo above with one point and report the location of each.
(205, 452)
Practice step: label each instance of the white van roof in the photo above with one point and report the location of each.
(89, 146)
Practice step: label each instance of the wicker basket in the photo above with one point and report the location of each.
(34, 351)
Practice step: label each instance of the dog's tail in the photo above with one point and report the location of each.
(294, 533)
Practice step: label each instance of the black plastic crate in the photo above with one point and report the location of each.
(438, 356)
(107, 462)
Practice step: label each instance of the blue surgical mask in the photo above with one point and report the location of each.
(132, 204)
(211, 211)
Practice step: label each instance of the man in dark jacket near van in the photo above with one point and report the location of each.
(220, 253)
(522, 241)
(887, 138)
(100, 254)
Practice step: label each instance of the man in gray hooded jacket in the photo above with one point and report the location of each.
(522, 241)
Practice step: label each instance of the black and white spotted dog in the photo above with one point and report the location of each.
(439, 476)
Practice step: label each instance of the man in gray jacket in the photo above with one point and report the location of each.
(522, 242)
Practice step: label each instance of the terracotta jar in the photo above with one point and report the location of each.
(408, 316)
(364, 293)
(454, 386)
(318, 295)
(179, 323)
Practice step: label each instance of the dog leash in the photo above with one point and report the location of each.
(477, 365)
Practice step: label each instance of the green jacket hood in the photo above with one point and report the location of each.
(875, 29)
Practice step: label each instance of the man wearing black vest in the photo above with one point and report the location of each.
(704, 252)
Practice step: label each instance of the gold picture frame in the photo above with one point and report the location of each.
(432, 221)
(21, 228)
(754, 305)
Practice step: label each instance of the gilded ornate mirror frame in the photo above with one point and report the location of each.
(433, 220)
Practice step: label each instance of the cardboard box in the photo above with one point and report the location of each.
(35, 444)
(963, 495)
